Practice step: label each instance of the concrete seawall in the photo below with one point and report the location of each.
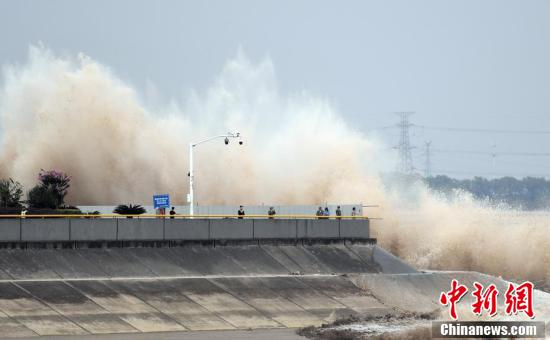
(196, 287)
(82, 307)
(165, 229)
(193, 287)
(184, 274)
(102, 306)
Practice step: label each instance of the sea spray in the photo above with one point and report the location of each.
(74, 114)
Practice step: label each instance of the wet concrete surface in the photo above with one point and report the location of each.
(215, 299)
(128, 291)
(207, 261)
(116, 262)
(195, 260)
(162, 261)
(256, 334)
(268, 302)
(307, 261)
(338, 259)
(20, 264)
(254, 260)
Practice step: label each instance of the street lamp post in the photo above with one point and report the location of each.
(190, 197)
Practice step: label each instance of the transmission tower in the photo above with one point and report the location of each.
(428, 170)
(404, 147)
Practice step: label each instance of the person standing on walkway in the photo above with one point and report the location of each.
(172, 212)
(271, 212)
(240, 212)
(319, 213)
(338, 212)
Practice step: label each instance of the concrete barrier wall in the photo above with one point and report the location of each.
(10, 230)
(151, 229)
(322, 228)
(130, 229)
(354, 229)
(301, 228)
(196, 229)
(274, 229)
(47, 229)
(93, 229)
(228, 229)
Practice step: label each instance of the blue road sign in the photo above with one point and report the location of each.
(161, 201)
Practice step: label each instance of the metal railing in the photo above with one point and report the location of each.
(182, 216)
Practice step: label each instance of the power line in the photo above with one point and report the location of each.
(381, 128)
(523, 164)
(494, 154)
(502, 174)
(473, 130)
(532, 154)
(483, 130)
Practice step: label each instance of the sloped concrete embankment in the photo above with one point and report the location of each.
(131, 290)
(196, 261)
(125, 290)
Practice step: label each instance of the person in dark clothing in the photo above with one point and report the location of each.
(172, 212)
(240, 212)
(338, 212)
(319, 213)
(271, 212)
(326, 213)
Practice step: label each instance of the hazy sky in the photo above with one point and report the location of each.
(457, 64)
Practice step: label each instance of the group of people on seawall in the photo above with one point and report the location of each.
(321, 213)
(271, 212)
(325, 213)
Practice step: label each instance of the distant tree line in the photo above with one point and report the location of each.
(529, 193)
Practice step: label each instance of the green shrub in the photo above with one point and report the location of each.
(10, 193)
(42, 197)
(129, 209)
(69, 211)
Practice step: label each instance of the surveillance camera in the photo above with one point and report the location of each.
(226, 141)
(241, 142)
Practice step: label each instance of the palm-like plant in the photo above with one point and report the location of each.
(129, 209)
(57, 183)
